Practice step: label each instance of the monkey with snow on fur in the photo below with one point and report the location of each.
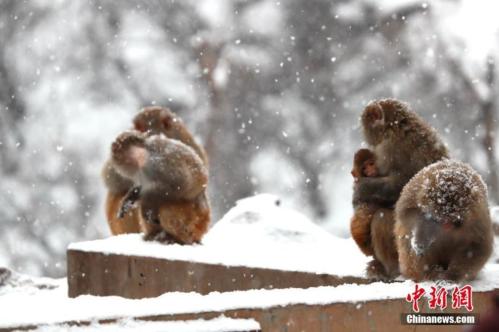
(153, 120)
(402, 143)
(443, 227)
(165, 172)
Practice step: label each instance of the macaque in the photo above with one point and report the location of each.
(170, 182)
(151, 120)
(160, 120)
(360, 224)
(364, 164)
(443, 227)
(118, 187)
(184, 221)
(402, 144)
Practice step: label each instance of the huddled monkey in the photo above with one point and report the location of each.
(443, 227)
(164, 172)
(364, 164)
(154, 120)
(118, 187)
(402, 143)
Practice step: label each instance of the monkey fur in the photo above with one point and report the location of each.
(402, 144)
(170, 182)
(150, 120)
(160, 120)
(118, 187)
(360, 224)
(443, 227)
(180, 221)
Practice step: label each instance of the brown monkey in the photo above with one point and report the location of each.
(364, 164)
(443, 227)
(360, 224)
(150, 120)
(402, 143)
(180, 221)
(118, 187)
(160, 120)
(165, 172)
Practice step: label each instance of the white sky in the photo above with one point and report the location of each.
(475, 22)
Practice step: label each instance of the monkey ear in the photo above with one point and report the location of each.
(140, 126)
(166, 122)
(374, 112)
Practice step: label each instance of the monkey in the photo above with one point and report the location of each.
(118, 187)
(150, 120)
(166, 173)
(184, 221)
(371, 221)
(161, 120)
(364, 164)
(443, 227)
(402, 143)
(360, 224)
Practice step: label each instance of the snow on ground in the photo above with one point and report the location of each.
(220, 324)
(257, 232)
(50, 306)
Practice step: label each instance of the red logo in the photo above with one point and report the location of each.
(461, 297)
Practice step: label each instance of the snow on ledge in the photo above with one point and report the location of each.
(51, 306)
(257, 233)
(342, 258)
(218, 324)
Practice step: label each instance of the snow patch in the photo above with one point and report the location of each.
(15, 306)
(219, 324)
(257, 232)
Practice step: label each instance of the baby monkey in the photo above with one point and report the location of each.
(164, 171)
(364, 165)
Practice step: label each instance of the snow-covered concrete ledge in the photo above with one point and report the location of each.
(129, 267)
(349, 307)
(219, 324)
(257, 244)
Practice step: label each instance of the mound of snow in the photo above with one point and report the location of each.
(262, 219)
(258, 233)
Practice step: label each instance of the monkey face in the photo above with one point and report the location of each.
(364, 164)
(370, 169)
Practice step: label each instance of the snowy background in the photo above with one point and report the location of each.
(273, 90)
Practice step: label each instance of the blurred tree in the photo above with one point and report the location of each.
(273, 90)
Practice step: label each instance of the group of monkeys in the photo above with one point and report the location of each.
(157, 177)
(416, 212)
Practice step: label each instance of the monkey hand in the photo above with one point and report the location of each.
(129, 201)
